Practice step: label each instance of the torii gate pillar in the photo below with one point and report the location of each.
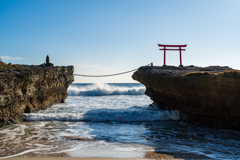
(179, 49)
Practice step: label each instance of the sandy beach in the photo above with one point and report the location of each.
(148, 156)
(60, 158)
(164, 157)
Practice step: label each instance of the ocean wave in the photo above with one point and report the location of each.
(104, 90)
(106, 116)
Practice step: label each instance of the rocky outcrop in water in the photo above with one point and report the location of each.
(26, 89)
(204, 96)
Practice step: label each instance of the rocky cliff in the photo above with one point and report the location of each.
(205, 96)
(26, 89)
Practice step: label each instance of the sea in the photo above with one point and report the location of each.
(113, 120)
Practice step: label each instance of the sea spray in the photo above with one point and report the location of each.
(122, 108)
(106, 116)
(104, 89)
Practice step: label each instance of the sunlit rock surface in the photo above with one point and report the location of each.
(204, 96)
(26, 89)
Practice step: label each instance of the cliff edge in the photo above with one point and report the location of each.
(204, 96)
(26, 89)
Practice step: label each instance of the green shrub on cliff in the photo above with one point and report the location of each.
(3, 65)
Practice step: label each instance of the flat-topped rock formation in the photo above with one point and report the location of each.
(207, 96)
(26, 89)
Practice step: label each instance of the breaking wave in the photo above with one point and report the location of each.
(98, 89)
(106, 116)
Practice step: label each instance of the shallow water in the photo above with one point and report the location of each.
(113, 125)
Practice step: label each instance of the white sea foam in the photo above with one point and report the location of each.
(124, 108)
(103, 89)
(106, 116)
(106, 149)
(21, 153)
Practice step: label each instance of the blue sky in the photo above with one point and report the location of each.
(109, 36)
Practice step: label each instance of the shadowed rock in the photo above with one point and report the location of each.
(204, 96)
(79, 138)
(27, 89)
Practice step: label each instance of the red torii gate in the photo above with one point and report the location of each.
(179, 49)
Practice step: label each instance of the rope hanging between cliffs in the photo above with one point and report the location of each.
(110, 74)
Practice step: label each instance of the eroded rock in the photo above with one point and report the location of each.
(26, 89)
(204, 96)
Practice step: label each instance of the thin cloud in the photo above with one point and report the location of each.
(7, 57)
(91, 68)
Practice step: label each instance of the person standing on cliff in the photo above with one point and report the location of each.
(47, 60)
(48, 64)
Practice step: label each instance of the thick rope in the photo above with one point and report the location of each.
(109, 74)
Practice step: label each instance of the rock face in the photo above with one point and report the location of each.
(204, 96)
(26, 89)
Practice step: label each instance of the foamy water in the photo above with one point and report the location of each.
(102, 89)
(107, 121)
(104, 109)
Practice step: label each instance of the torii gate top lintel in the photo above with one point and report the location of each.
(167, 45)
(179, 49)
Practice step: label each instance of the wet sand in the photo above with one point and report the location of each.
(60, 158)
(148, 156)
(91, 158)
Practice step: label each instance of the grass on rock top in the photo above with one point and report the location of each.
(3, 65)
(197, 73)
